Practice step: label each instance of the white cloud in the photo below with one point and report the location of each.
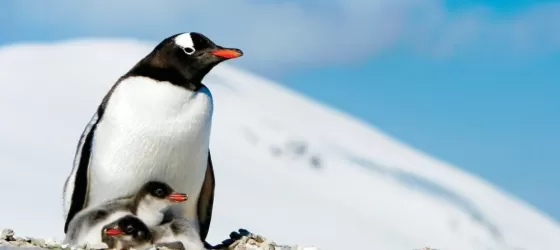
(482, 31)
(284, 34)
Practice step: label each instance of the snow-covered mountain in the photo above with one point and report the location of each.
(286, 166)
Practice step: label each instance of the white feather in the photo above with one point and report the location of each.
(151, 131)
(151, 211)
(184, 40)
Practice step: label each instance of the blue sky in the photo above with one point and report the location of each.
(475, 83)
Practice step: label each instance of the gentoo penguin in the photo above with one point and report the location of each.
(180, 233)
(153, 124)
(148, 204)
(125, 233)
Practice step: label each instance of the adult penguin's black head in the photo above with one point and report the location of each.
(184, 59)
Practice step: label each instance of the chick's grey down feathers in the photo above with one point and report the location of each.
(178, 232)
(92, 216)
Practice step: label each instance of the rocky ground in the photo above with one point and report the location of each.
(240, 240)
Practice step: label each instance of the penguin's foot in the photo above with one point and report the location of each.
(241, 238)
(229, 243)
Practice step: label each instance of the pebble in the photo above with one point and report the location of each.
(242, 240)
(37, 242)
(97, 246)
(7, 234)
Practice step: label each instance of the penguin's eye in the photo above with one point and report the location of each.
(159, 192)
(129, 229)
(188, 50)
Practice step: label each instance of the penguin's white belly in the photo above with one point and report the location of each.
(151, 131)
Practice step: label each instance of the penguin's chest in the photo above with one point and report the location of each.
(150, 131)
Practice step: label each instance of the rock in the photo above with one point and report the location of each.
(239, 240)
(37, 242)
(50, 242)
(276, 151)
(245, 240)
(7, 235)
(78, 247)
(316, 162)
(19, 239)
(97, 246)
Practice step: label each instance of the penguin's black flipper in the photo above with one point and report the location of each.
(81, 179)
(206, 200)
(81, 162)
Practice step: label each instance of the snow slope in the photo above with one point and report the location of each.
(286, 167)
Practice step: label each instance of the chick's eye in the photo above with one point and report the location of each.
(159, 191)
(188, 50)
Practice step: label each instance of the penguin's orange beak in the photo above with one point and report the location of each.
(227, 53)
(113, 232)
(178, 197)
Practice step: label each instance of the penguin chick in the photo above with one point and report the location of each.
(148, 204)
(125, 233)
(180, 233)
(152, 201)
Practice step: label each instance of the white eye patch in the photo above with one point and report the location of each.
(185, 41)
(188, 50)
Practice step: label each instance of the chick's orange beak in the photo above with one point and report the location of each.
(178, 197)
(113, 232)
(227, 53)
